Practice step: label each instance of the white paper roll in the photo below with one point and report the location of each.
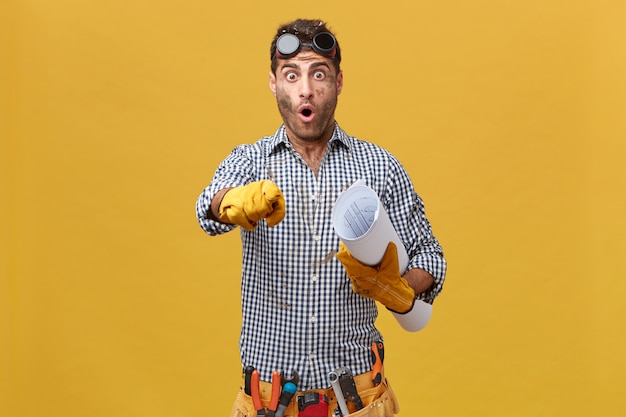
(363, 225)
(416, 319)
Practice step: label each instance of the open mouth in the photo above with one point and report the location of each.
(307, 113)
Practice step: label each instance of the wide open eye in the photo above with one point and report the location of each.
(319, 75)
(291, 76)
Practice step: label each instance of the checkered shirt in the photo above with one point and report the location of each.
(299, 311)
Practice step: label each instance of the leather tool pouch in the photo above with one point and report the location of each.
(379, 401)
(243, 406)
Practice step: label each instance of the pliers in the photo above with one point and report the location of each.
(256, 395)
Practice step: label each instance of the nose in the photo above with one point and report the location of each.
(306, 88)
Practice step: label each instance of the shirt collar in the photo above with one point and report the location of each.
(280, 137)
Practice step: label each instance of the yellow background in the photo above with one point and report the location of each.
(508, 115)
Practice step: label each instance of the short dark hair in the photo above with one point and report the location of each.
(304, 29)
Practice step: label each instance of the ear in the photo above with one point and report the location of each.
(273, 83)
(339, 82)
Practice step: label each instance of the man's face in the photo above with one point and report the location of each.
(306, 87)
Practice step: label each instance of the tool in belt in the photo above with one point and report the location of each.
(312, 404)
(283, 389)
(342, 381)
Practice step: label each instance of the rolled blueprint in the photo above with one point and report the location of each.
(362, 224)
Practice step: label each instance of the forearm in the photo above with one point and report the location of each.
(214, 212)
(419, 279)
(207, 212)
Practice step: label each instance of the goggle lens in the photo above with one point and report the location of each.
(287, 45)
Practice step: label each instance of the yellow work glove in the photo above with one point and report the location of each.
(247, 204)
(382, 282)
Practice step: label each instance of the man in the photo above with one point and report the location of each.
(307, 312)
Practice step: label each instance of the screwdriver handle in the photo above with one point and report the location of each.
(246, 378)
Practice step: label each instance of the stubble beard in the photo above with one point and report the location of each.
(310, 132)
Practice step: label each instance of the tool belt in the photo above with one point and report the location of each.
(378, 400)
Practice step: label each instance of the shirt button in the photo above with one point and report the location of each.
(312, 356)
(313, 319)
(313, 197)
(316, 238)
(314, 278)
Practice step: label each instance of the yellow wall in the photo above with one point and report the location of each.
(509, 116)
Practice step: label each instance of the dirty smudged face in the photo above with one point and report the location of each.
(306, 89)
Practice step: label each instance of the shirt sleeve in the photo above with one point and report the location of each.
(423, 248)
(426, 252)
(233, 171)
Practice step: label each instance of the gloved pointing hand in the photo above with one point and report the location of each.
(247, 204)
(382, 282)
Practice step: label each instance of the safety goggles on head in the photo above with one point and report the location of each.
(288, 45)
